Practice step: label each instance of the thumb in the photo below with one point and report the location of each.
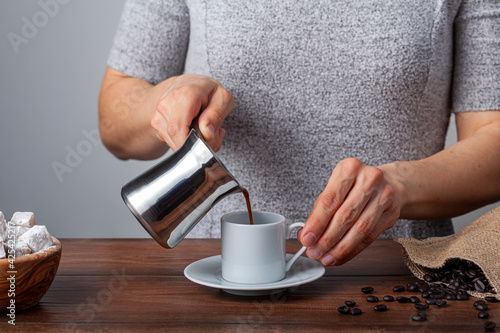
(220, 105)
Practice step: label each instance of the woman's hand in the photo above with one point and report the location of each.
(185, 98)
(357, 205)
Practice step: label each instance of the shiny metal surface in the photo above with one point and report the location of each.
(170, 198)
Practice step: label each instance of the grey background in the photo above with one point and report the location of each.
(48, 95)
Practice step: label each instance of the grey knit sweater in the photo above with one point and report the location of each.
(316, 81)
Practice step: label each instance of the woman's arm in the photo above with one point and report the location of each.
(461, 178)
(126, 107)
(137, 118)
(360, 201)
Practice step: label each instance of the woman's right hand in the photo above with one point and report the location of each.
(187, 96)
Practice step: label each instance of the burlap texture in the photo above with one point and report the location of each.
(479, 242)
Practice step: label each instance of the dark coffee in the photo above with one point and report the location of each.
(249, 206)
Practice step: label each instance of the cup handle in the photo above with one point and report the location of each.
(290, 262)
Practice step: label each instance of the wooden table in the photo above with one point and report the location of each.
(133, 285)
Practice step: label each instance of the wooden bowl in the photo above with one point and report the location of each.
(34, 275)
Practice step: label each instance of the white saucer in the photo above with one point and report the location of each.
(208, 272)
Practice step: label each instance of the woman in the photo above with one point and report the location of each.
(362, 88)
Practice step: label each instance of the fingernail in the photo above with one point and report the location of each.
(211, 128)
(313, 253)
(328, 260)
(309, 239)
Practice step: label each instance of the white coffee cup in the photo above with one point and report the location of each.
(256, 254)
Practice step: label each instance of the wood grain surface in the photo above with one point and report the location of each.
(135, 285)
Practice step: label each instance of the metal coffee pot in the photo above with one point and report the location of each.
(171, 198)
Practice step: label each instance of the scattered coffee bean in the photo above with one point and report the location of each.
(430, 301)
(398, 289)
(426, 294)
(421, 307)
(350, 303)
(491, 299)
(372, 299)
(441, 303)
(402, 299)
(483, 314)
(367, 290)
(388, 298)
(489, 326)
(418, 317)
(462, 297)
(476, 303)
(356, 311)
(482, 307)
(380, 307)
(344, 309)
(451, 297)
(414, 299)
(411, 287)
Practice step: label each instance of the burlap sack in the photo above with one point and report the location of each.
(479, 242)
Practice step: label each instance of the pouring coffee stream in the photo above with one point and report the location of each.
(249, 206)
(173, 196)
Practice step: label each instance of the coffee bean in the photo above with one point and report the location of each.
(429, 278)
(344, 309)
(437, 294)
(414, 299)
(480, 286)
(441, 303)
(421, 307)
(423, 288)
(476, 303)
(430, 301)
(460, 274)
(426, 294)
(372, 299)
(411, 287)
(380, 307)
(451, 297)
(388, 298)
(483, 314)
(398, 289)
(482, 307)
(471, 274)
(356, 311)
(489, 326)
(418, 317)
(402, 299)
(367, 290)
(350, 303)
(462, 297)
(491, 299)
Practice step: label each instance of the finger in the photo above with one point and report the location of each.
(211, 119)
(339, 185)
(387, 218)
(159, 124)
(380, 214)
(360, 232)
(181, 107)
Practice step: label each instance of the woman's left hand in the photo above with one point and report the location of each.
(357, 205)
